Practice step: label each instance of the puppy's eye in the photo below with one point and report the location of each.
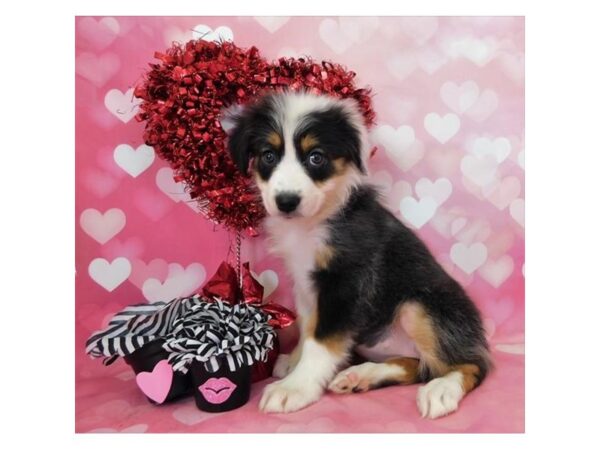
(316, 158)
(268, 157)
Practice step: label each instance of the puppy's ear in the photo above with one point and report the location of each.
(239, 140)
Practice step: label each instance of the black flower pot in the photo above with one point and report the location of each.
(155, 376)
(222, 390)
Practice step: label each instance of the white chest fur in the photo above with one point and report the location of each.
(298, 243)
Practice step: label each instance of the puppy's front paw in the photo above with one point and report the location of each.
(439, 397)
(287, 396)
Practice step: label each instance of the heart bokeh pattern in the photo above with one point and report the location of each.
(449, 98)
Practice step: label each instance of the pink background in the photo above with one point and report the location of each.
(449, 94)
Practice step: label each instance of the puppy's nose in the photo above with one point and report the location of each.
(287, 202)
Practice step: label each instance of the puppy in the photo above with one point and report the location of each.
(363, 282)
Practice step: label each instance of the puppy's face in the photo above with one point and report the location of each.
(305, 151)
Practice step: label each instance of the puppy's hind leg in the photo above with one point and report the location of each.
(370, 375)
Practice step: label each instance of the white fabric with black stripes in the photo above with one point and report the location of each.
(218, 332)
(136, 326)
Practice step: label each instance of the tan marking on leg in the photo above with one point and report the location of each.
(308, 142)
(470, 373)
(323, 257)
(337, 344)
(419, 327)
(410, 366)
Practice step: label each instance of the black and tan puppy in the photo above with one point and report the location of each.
(363, 282)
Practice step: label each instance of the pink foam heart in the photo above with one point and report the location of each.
(156, 384)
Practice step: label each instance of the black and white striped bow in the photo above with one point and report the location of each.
(136, 326)
(218, 332)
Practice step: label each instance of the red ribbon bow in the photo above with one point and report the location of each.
(224, 284)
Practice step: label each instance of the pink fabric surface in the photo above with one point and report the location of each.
(109, 401)
(449, 95)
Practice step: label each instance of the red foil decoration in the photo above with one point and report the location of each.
(224, 284)
(183, 96)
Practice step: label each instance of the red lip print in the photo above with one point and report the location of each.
(217, 390)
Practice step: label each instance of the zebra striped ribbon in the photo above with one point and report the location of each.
(136, 326)
(218, 332)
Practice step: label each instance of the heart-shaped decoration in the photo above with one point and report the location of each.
(184, 97)
(133, 161)
(272, 23)
(156, 384)
(102, 227)
(442, 128)
(124, 106)
(269, 281)
(100, 33)
(97, 69)
(468, 258)
(109, 275)
(483, 108)
(400, 145)
(439, 190)
(497, 272)
(459, 98)
(418, 213)
(500, 148)
(179, 283)
(206, 33)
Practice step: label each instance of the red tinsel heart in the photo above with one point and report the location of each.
(183, 96)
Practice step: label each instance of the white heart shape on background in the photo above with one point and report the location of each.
(269, 281)
(399, 144)
(399, 191)
(484, 107)
(468, 258)
(206, 33)
(419, 28)
(109, 275)
(358, 29)
(478, 51)
(418, 213)
(97, 69)
(479, 170)
(459, 98)
(124, 106)
(430, 59)
(332, 35)
(189, 414)
(180, 282)
(517, 211)
(166, 183)
(502, 193)
(134, 161)
(102, 227)
(442, 128)
(401, 65)
(101, 33)
(439, 190)
(497, 272)
(500, 148)
(272, 23)
(515, 349)
(521, 159)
